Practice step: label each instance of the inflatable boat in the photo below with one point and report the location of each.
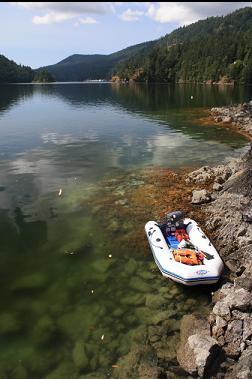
(182, 251)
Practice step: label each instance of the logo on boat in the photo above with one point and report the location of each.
(201, 272)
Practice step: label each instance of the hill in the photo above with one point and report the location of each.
(10, 72)
(215, 49)
(79, 67)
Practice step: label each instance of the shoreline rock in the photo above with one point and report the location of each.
(239, 116)
(219, 345)
(229, 222)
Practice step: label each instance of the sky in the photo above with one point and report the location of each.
(43, 33)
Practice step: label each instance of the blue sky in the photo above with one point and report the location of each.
(43, 33)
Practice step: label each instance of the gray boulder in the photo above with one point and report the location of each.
(217, 187)
(204, 349)
(227, 119)
(201, 197)
(222, 309)
(197, 353)
(247, 327)
(247, 215)
(200, 355)
(243, 368)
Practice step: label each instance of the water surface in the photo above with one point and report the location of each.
(74, 287)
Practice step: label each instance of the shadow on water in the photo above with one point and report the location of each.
(11, 95)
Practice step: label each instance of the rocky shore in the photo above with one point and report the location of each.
(239, 117)
(216, 343)
(222, 347)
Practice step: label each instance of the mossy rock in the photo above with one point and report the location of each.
(131, 319)
(94, 361)
(3, 373)
(58, 294)
(118, 312)
(102, 265)
(30, 282)
(114, 344)
(131, 266)
(44, 331)
(154, 301)
(56, 309)
(159, 317)
(77, 323)
(20, 372)
(38, 306)
(8, 324)
(139, 285)
(63, 371)
(172, 325)
(114, 226)
(144, 315)
(94, 375)
(133, 299)
(163, 290)
(124, 346)
(176, 290)
(40, 364)
(104, 360)
(146, 275)
(79, 355)
(92, 349)
(153, 267)
(139, 334)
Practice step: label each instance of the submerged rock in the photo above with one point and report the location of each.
(63, 371)
(44, 330)
(131, 266)
(79, 355)
(139, 363)
(146, 275)
(134, 299)
(8, 324)
(30, 282)
(20, 372)
(154, 301)
(139, 285)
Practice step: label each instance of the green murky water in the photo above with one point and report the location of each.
(78, 283)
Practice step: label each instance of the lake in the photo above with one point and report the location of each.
(78, 282)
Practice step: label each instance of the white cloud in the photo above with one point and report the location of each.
(185, 13)
(181, 13)
(69, 7)
(55, 12)
(87, 20)
(131, 15)
(51, 18)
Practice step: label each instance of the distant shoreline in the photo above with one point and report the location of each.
(130, 83)
(41, 83)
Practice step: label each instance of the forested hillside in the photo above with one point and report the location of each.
(10, 72)
(80, 67)
(43, 77)
(215, 49)
(218, 49)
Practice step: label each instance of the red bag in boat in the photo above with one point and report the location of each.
(181, 234)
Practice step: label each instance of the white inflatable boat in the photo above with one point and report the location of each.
(182, 251)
